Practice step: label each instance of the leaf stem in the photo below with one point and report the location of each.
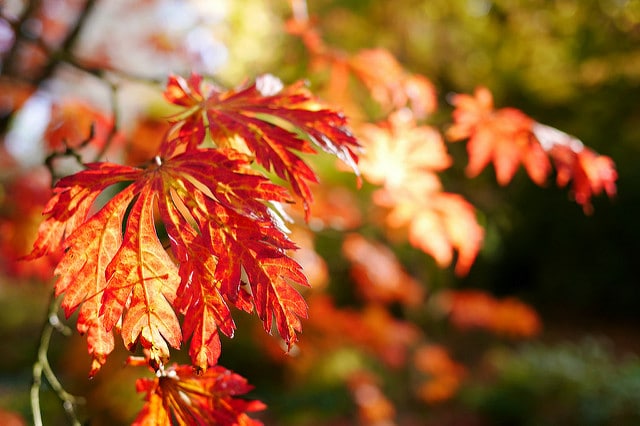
(42, 367)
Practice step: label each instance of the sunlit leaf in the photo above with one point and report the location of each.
(272, 122)
(502, 137)
(215, 212)
(180, 396)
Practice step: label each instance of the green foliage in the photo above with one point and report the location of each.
(581, 384)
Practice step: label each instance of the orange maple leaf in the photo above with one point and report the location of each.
(378, 274)
(500, 136)
(508, 137)
(402, 156)
(180, 396)
(390, 84)
(374, 408)
(438, 225)
(444, 375)
(477, 309)
(76, 125)
(404, 159)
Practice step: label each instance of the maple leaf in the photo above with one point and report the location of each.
(391, 85)
(444, 375)
(500, 136)
(404, 159)
(590, 173)
(403, 156)
(477, 309)
(74, 123)
(373, 406)
(215, 212)
(180, 396)
(508, 137)
(266, 119)
(388, 83)
(378, 274)
(438, 225)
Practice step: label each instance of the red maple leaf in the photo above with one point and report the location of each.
(266, 119)
(215, 213)
(500, 136)
(180, 396)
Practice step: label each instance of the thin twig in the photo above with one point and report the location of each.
(19, 29)
(42, 366)
(68, 152)
(68, 42)
(114, 126)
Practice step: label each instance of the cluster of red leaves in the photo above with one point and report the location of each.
(507, 137)
(263, 120)
(476, 309)
(209, 398)
(226, 244)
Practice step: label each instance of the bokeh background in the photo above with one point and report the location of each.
(574, 65)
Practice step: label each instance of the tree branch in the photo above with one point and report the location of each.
(42, 366)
